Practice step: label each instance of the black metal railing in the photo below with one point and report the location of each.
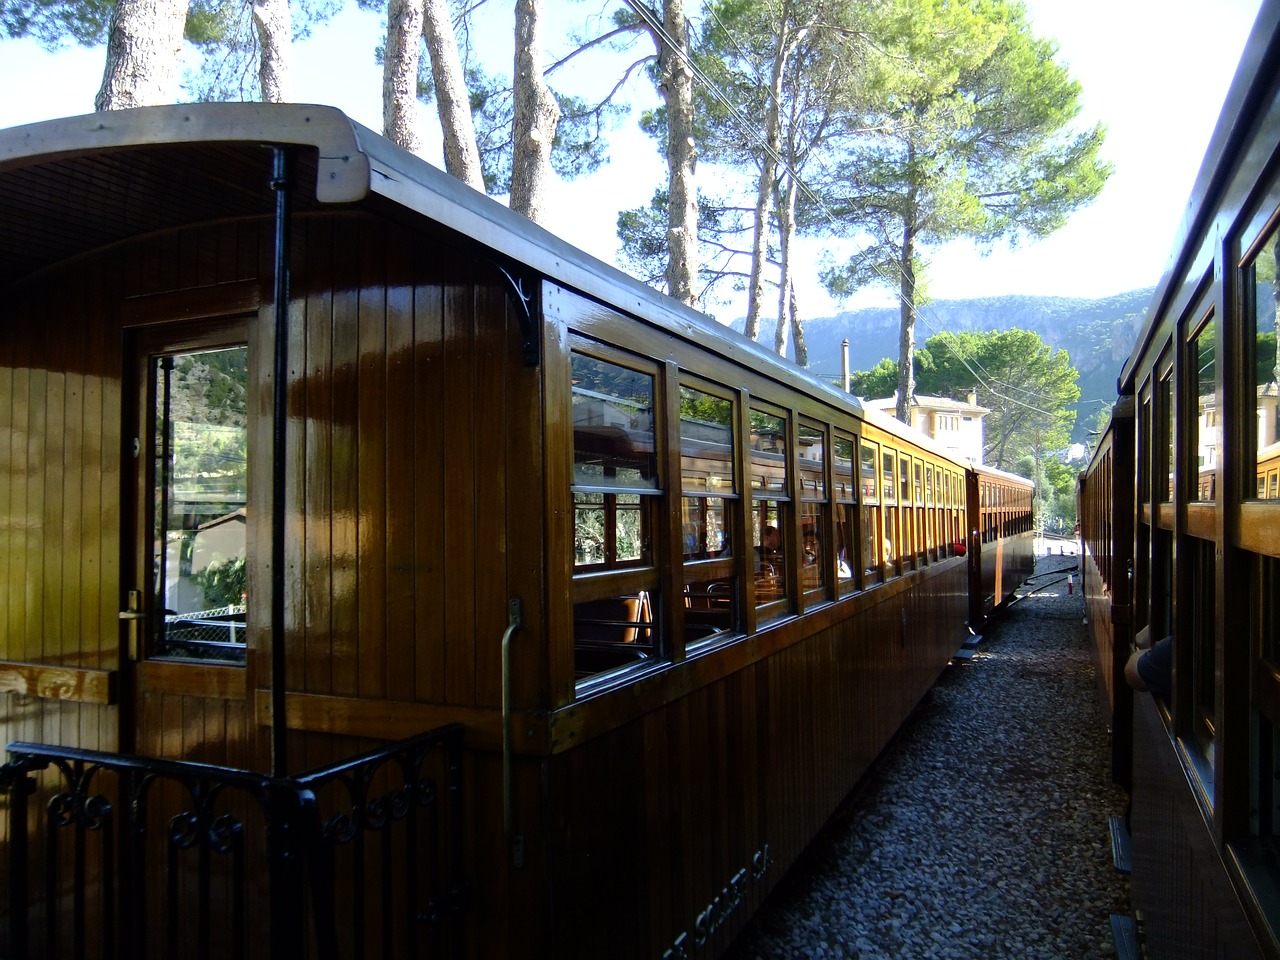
(138, 857)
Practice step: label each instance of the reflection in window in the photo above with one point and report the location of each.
(872, 536)
(200, 446)
(1267, 369)
(769, 508)
(706, 468)
(846, 498)
(615, 496)
(614, 463)
(1164, 408)
(1205, 435)
(887, 475)
(811, 455)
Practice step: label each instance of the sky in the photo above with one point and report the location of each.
(1154, 72)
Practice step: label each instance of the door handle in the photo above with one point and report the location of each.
(131, 616)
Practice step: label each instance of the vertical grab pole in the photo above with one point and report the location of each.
(282, 184)
(516, 843)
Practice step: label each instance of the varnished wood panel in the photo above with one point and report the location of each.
(652, 821)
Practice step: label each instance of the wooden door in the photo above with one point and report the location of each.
(186, 543)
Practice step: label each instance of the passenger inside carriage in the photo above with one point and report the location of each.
(1150, 669)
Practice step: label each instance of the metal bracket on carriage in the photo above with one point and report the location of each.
(523, 303)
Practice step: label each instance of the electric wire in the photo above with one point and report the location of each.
(754, 137)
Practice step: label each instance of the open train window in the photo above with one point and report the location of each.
(616, 496)
(709, 503)
(770, 511)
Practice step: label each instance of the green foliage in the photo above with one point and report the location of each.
(644, 250)
(1027, 386)
(53, 22)
(223, 583)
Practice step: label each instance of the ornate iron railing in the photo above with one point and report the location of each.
(138, 857)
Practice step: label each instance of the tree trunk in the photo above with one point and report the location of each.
(907, 331)
(788, 313)
(144, 44)
(682, 157)
(536, 116)
(275, 49)
(461, 155)
(400, 74)
(765, 188)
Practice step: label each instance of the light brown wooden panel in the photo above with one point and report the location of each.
(52, 682)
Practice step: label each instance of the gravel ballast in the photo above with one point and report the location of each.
(983, 829)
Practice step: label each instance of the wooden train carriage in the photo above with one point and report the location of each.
(1205, 808)
(305, 449)
(1106, 532)
(1269, 472)
(1002, 542)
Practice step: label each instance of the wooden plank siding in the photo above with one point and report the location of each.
(650, 822)
(428, 483)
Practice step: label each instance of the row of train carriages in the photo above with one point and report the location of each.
(1180, 523)
(380, 576)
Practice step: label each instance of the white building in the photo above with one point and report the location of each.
(956, 424)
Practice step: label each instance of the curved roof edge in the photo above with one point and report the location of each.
(343, 168)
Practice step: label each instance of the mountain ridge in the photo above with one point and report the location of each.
(1097, 333)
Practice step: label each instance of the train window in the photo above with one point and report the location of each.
(889, 542)
(872, 533)
(770, 508)
(889, 486)
(1267, 615)
(904, 480)
(919, 486)
(1164, 445)
(846, 498)
(811, 461)
(928, 485)
(1204, 439)
(1198, 625)
(615, 495)
(1262, 285)
(708, 503)
(1144, 448)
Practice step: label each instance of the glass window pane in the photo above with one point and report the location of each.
(1267, 366)
(904, 479)
(867, 472)
(706, 530)
(200, 446)
(613, 425)
(872, 544)
(842, 469)
(890, 486)
(768, 455)
(812, 567)
(1205, 435)
(1164, 443)
(706, 443)
(846, 514)
(769, 545)
(810, 444)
